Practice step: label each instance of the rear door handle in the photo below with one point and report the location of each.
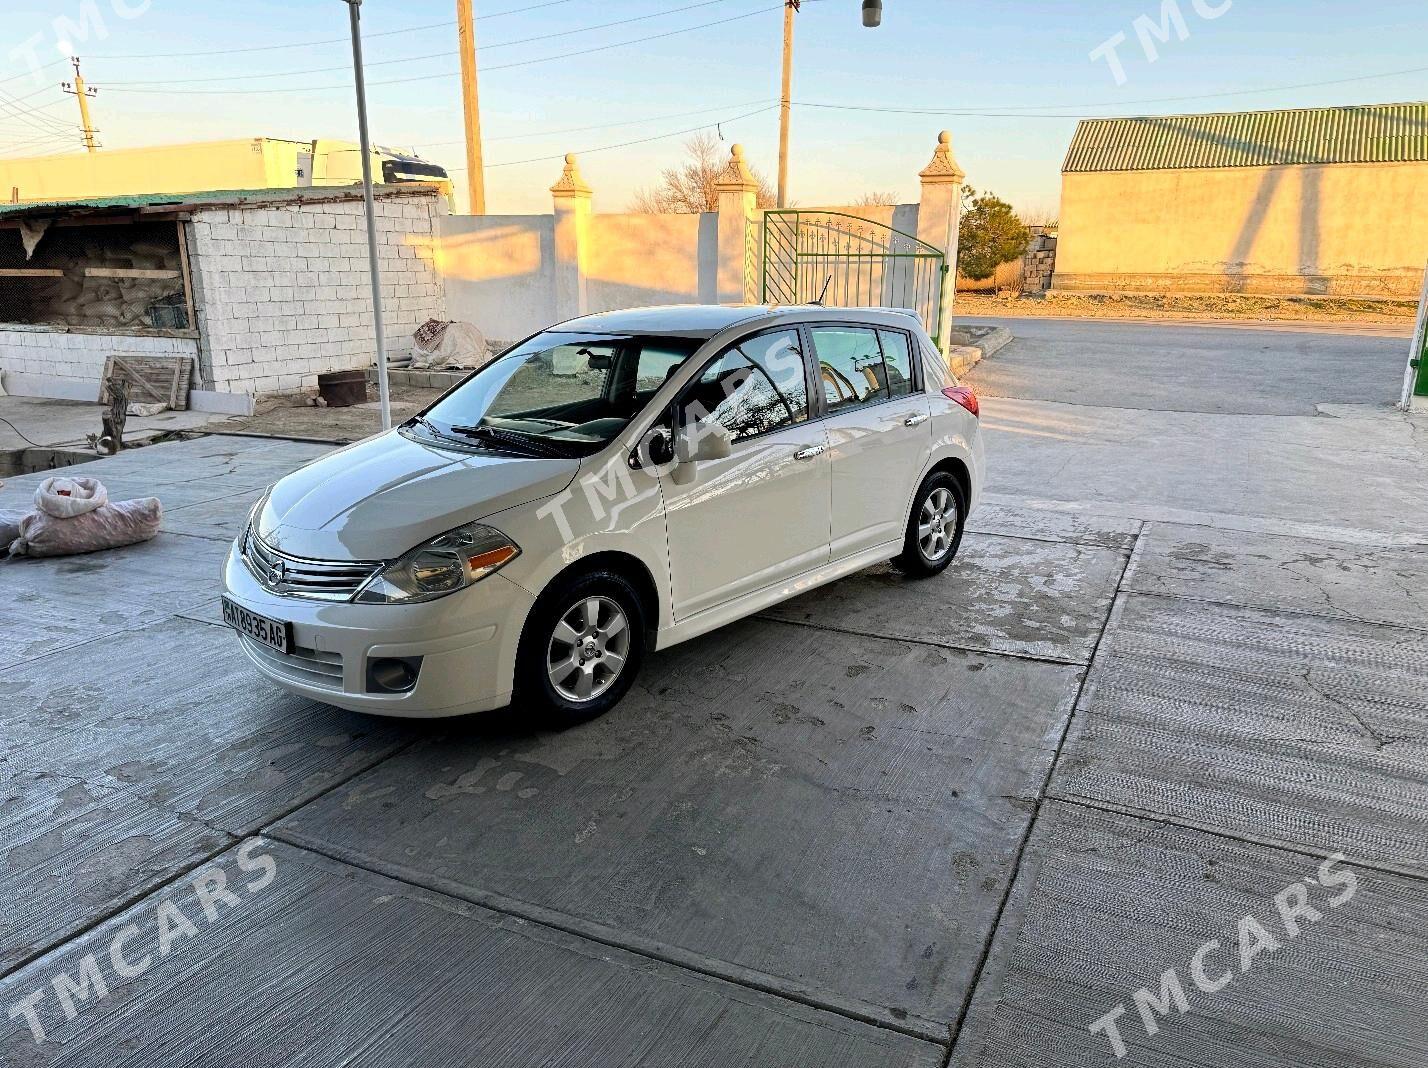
(810, 452)
(913, 420)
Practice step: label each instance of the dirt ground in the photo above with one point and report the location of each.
(1190, 306)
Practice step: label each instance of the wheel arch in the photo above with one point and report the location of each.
(632, 569)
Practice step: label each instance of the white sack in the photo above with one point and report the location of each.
(106, 527)
(438, 345)
(65, 498)
(9, 529)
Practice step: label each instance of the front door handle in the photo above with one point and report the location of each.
(810, 452)
(913, 420)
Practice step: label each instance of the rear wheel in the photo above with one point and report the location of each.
(934, 529)
(582, 646)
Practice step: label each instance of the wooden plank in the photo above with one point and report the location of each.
(151, 379)
(186, 266)
(31, 272)
(128, 272)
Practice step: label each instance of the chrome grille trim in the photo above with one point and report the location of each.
(316, 580)
(302, 665)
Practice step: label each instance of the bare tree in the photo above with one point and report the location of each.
(877, 200)
(689, 188)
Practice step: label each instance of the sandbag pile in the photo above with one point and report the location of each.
(74, 515)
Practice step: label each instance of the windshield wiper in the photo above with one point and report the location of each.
(513, 439)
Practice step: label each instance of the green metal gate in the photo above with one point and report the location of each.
(851, 262)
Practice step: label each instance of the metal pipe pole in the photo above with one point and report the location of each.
(383, 392)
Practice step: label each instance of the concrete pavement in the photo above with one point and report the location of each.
(887, 823)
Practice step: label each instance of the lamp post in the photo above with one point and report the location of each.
(383, 393)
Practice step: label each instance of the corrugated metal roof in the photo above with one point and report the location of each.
(1377, 133)
(208, 198)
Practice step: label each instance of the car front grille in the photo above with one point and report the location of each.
(301, 665)
(293, 576)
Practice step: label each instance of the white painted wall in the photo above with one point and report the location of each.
(39, 361)
(283, 291)
(639, 260)
(499, 272)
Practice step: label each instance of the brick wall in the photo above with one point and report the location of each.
(283, 291)
(46, 362)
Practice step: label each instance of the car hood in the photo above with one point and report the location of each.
(383, 496)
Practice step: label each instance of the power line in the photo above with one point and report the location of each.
(1030, 111)
(639, 141)
(450, 74)
(448, 24)
(447, 54)
(33, 72)
(31, 116)
(593, 126)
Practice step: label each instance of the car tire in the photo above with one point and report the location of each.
(566, 666)
(934, 527)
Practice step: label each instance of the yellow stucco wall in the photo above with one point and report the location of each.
(1340, 228)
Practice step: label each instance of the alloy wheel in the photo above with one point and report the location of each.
(936, 524)
(589, 649)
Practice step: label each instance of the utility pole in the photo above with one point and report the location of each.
(790, 8)
(354, 8)
(471, 105)
(82, 92)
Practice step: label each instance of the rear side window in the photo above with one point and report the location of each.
(897, 358)
(753, 388)
(850, 366)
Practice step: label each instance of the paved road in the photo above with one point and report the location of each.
(1263, 429)
(888, 823)
(1222, 369)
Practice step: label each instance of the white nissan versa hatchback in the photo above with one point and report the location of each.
(614, 485)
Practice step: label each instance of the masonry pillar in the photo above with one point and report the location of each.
(572, 241)
(737, 189)
(939, 214)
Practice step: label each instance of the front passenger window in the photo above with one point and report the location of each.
(753, 388)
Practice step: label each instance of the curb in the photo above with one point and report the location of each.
(962, 358)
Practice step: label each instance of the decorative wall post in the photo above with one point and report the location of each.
(572, 241)
(737, 189)
(939, 214)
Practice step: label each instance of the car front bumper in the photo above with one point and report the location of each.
(467, 643)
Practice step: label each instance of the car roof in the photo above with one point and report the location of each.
(705, 320)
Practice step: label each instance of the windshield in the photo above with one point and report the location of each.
(560, 393)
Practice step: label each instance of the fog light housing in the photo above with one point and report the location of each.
(393, 674)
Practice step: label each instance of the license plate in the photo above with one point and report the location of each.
(270, 632)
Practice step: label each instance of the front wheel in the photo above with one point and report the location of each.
(582, 646)
(934, 529)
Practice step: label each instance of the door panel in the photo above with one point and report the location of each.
(755, 518)
(875, 456)
(879, 432)
(759, 515)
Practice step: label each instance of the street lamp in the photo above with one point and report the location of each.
(872, 13)
(383, 392)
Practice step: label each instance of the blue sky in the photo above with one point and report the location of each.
(1023, 67)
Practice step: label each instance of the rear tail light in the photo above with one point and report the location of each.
(964, 396)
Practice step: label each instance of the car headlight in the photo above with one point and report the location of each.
(445, 564)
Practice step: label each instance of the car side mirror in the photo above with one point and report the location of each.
(699, 441)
